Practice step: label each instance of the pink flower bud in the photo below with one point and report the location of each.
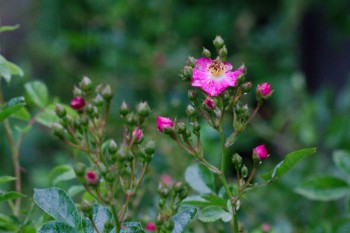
(91, 177)
(137, 133)
(264, 89)
(265, 227)
(166, 179)
(150, 226)
(261, 152)
(164, 122)
(210, 103)
(77, 102)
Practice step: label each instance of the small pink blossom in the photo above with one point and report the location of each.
(214, 76)
(261, 152)
(166, 179)
(164, 122)
(91, 177)
(265, 227)
(210, 103)
(77, 102)
(264, 89)
(150, 226)
(137, 133)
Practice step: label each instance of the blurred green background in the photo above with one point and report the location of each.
(301, 47)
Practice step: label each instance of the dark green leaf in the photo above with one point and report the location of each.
(7, 224)
(38, 93)
(10, 195)
(58, 204)
(324, 188)
(11, 107)
(288, 163)
(212, 213)
(200, 179)
(5, 179)
(8, 28)
(87, 225)
(341, 158)
(182, 219)
(205, 200)
(57, 227)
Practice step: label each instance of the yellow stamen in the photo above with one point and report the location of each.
(216, 68)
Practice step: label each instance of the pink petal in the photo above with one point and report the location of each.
(203, 63)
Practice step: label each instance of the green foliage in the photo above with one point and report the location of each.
(5, 179)
(341, 159)
(200, 179)
(9, 69)
(182, 219)
(12, 106)
(5, 196)
(132, 227)
(213, 213)
(57, 227)
(8, 28)
(37, 93)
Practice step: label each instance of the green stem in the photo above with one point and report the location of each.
(235, 221)
(116, 220)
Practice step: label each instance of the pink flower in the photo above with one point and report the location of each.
(166, 179)
(91, 177)
(261, 152)
(264, 89)
(137, 133)
(210, 103)
(214, 76)
(150, 226)
(77, 102)
(164, 122)
(265, 227)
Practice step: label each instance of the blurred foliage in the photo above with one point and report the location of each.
(140, 46)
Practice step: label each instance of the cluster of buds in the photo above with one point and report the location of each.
(120, 167)
(170, 197)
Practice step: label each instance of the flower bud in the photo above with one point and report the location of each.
(137, 134)
(106, 92)
(180, 127)
(190, 111)
(166, 179)
(110, 177)
(237, 160)
(124, 109)
(91, 177)
(260, 152)
(60, 111)
(223, 53)
(77, 91)
(150, 226)
(264, 91)
(131, 119)
(58, 130)
(192, 95)
(218, 42)
(246, 86)
(196, 127)
(244, 171)
(206, 53)
(79, 169)
(150, 148)
(209, 103)
(163, 123)
(164, 192)
(77, 103)
(191, 61)
(187, 72)
(143, 109)
(112, 147)
(98, 100)
(86, 208)
(86, 84)
(178, 187)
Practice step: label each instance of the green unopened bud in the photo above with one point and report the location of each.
(131, 119)
(187, 72)
(106, 92)
(161, 203)
(89, 108)
(190, 111)
(143, 109)
(180, 127)
(85, 84)
(77, 91)
(223, 53)
(159, 221)
(191, 61)
(79, 169)
(218, 42)
(150, 147)
(112, 147)
(196, 127)
(110, 177)
(183, 194)
(247, 86)
(244, 171)
(60, 111)
(98, 100)
(178, 187)
(58, 130)
(86, 208)
(124, 109)
(192, 95)
(237, 161)
(206, 53)
(164, 192)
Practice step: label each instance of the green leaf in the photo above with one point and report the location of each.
(132, 227)
(182, 219)
(8, 68)
(200, 179)
(14, 69)
(10, 195)
(8, 28)
(7, 224)
(341, 158)
(205, 200)
(288, 163)
(48, 116)
(22, 114)
(12, 106)
(75, 189)
(5, 179)
(38, 93)
(58, 204)
(87, 225)
(101, 215)
(61, 173)
(57, 227)
(323, 188)
(212, 213)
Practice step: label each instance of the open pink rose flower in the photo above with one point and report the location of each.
(214, 76)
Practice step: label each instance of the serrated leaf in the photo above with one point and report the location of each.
(57, 227)
(38, 93)
(324, 188)
(12, 106)
(341, 158)
(5, 179)
(183, 219)
(8, 28)
(58, 204)
(200, 179)
(288, 163)
(5, 196)
(211, 214)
